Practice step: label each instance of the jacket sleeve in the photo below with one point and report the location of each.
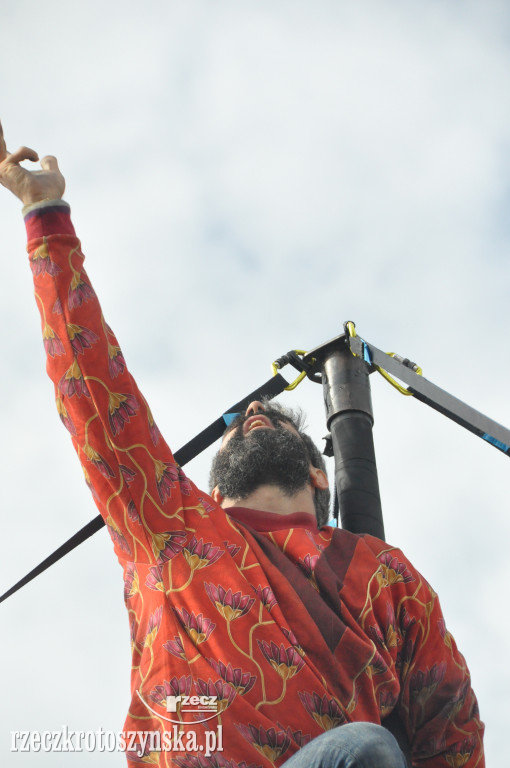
(143, 496)
(436, 703)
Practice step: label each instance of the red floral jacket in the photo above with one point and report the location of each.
(250, 635)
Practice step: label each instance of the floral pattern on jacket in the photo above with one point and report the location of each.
(294, 631)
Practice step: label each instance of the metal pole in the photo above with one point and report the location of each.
(350, 419)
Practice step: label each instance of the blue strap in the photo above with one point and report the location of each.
(366, 354)
(496, 443)
(228, 418)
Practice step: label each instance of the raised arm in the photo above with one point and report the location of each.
(145, 499)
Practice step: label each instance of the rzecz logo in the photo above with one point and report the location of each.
(192, 704)
(198, 708)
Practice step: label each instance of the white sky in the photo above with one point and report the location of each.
(245, 176)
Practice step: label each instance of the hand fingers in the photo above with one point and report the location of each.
(3, 148)
(23, 153)
(49, 163)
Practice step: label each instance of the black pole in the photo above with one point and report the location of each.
(348, 402)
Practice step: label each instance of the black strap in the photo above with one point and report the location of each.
(204, 439)
(83, 534)
(196, 445)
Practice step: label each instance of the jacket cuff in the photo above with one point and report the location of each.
(48, 217)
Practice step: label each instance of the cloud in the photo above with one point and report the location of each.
(245, 178)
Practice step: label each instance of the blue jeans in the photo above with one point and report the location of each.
(354, 745)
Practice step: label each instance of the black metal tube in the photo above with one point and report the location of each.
(349, 415)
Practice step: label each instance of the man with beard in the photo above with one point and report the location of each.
(243, 602)
(274, 470)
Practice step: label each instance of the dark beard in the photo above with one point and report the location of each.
(264, 457)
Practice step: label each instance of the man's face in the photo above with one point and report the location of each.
(261, 447)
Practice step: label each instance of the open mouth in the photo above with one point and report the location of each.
(256, 422)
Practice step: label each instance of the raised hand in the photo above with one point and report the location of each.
(30, 186)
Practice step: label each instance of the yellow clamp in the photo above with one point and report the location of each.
(351, 328)
(391, 380)
(275, 366)
(403, 390)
